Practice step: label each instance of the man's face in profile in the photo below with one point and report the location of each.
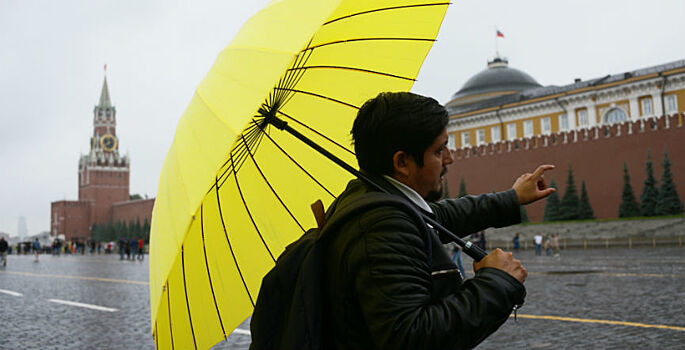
(427, 180)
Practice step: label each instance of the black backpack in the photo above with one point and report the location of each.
(288, 313)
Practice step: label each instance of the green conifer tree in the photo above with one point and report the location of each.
(139, 228)
(585, 211)
(462, 188)
(650, 193)
(146, 230)
(112, 233)
(628, 207)
(444, 190)
(668, 202)
(552, 205)
(568, 208)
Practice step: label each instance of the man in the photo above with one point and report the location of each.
(36, 248)
(3, 251)
(388, 283)
(537, 239)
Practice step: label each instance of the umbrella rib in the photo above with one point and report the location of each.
(209, 276)
(299, 166)
(168, 307)
(249, 213)
(156, 336)
(230, 247)
(368, 39)
(253, 135)
(291, 79)
(185, 291)
(355, 69)
(386, 9)
(321, 96)
(299, 76)
(273, 190)
(316, 132)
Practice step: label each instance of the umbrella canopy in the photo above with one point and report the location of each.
(235, 191)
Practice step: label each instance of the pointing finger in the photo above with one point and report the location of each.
(541, 169)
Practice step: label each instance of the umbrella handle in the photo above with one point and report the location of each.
(469, 248)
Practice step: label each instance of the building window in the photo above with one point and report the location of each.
(563, 122)
(528, 128)
(546, 126)
(671, 104)
(647, 106)
(494, 134)
(465, 139)
(480, 136)
(511, 131)
(615, 115)
(451, 142)
(582, 118)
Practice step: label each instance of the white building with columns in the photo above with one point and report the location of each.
(503, 103)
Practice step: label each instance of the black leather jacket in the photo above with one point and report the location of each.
(388, 285)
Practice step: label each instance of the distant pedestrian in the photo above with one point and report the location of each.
(538, 244)
(548, 245)
(121, 243)
(36, 248)
(517, 243)
(3, 251)
(554, 244)
(141, 245)
(133, 247)
(454, 251)
(481, 242)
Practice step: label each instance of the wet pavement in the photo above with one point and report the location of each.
(585, 299)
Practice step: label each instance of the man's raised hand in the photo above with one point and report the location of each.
(532, 187)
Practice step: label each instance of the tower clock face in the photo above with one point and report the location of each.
(108, 142)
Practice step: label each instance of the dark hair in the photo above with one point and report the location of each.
(395, 121)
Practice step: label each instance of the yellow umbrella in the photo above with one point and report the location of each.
(234, 190)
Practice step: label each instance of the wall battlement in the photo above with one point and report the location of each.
(596, 155)
(587, 135)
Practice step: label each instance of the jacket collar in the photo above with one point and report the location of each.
(388, 187)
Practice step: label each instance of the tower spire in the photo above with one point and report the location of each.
(104, 95)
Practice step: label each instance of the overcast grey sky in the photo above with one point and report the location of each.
(52, 55)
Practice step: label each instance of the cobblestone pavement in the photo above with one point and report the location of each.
(642, 289)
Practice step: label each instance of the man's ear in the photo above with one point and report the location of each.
(400, 164)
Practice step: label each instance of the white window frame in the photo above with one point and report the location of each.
(495, 135)
(647, 106)
(511, 131)
(451, 142)
(480, 137)
(671, 103)
(528, 129)
(563, 122)
(465, 139)
(583, 120)
(546, 126)
(611, 116)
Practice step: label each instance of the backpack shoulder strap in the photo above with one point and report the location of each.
(372, 200)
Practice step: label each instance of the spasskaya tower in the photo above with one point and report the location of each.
(103, 173)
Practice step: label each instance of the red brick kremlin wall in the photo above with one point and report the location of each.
(70, 218)
(596, 155)
(128, 211)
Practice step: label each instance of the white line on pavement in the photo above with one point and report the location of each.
(242, 331)
(11, 293)
(88, 306)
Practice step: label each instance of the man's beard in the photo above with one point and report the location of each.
(436, 195)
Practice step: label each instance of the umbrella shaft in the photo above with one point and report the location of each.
(471, 250)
